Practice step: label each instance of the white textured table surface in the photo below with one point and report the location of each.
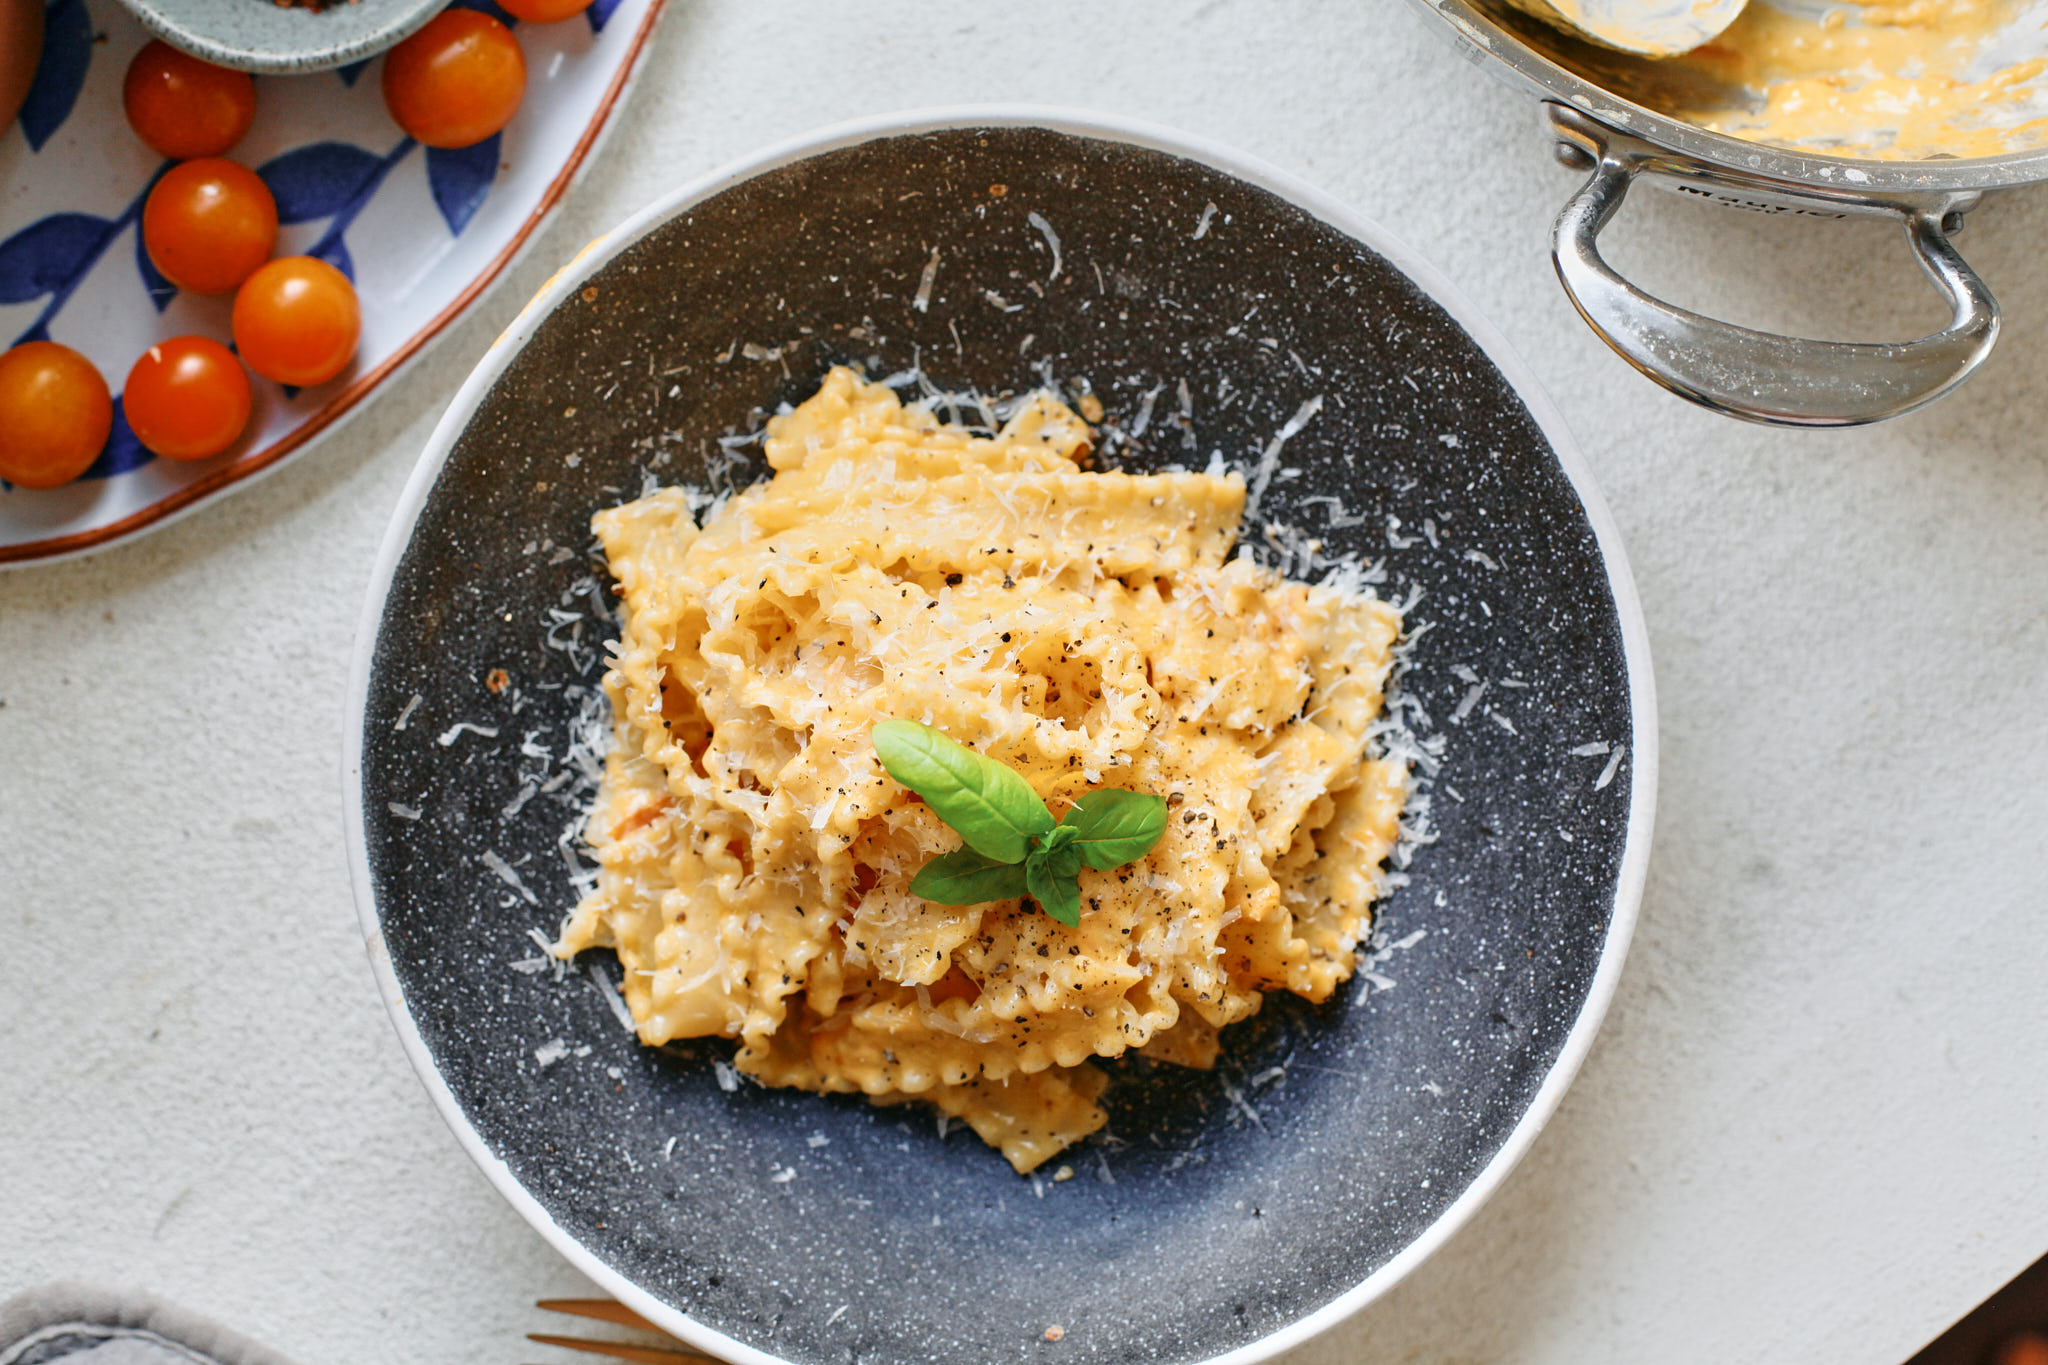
(1814, 1127)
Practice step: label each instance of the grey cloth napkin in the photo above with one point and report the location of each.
(79, 1325)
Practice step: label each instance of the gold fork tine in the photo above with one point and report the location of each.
(603, 1310)
(619, 1350)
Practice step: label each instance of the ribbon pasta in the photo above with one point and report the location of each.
(1089, 629)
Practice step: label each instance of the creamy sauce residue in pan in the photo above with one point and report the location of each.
(1886, 79)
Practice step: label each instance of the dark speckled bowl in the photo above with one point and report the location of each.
(1239, 1211)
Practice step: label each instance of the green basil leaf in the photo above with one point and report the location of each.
(988, 803)
(1115, 827)
(964, 877)
(1060, 837)
(1058, 896)
(1063, 862)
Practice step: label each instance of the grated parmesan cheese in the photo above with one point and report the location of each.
(1052, 240)
(1400, 734)
(1269, 459)
(509, 875)
(455, 731)
(610, 994)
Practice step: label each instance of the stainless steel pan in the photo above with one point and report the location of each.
(1591, 100)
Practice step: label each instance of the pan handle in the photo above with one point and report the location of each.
(1760, 376)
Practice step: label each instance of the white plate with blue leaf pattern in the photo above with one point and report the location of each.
(421, 231)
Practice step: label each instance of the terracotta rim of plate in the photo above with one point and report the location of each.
(194, 494)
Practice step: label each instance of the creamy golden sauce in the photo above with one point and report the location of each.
(1886, 79)
(1088, 629)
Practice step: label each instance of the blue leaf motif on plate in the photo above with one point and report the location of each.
(319, 180)
(600, 13)
(461, 178)
(67, 52)
(161, 290)
(48, 254)
(333, 250)
(350, 72)
(122, 451)
(489, 7)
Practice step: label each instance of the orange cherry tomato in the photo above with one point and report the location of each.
(544, 11)
(187, 398)
(183, 107)
(456, 81)
(54, 414)
(297, 321)
(208, 223)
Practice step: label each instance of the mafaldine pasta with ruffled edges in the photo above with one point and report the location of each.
(1088, 629)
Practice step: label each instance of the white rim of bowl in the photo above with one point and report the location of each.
(1635, 650)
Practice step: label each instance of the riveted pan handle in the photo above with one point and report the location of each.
(1761, 376)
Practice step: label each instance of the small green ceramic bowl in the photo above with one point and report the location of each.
(259, 35)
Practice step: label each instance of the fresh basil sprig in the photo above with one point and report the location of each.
(990, 806)
(1014, 847)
